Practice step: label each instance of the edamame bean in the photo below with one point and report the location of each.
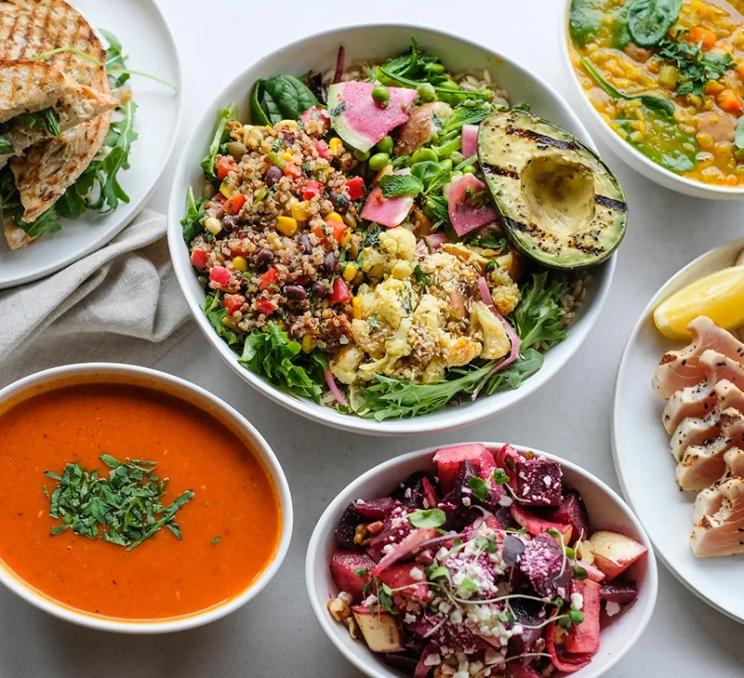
(385, 145)
(381, 94)
(424, 154)
(378, 161)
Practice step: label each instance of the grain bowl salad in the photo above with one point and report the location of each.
(390, 238)
(667, 76)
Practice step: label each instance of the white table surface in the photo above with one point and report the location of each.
(277, 635)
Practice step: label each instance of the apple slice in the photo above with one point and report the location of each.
(614, 552)
(380, 630)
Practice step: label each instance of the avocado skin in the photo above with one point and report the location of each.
(559, 204)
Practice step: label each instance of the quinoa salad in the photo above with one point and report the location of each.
(350, 249)
(485, 565)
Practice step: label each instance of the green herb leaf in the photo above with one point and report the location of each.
(361, 572)
(125, 509)
(433, 517)
(385, 598)
(218, 138)
(215, 540)
(283, 97)
(6, 145)
(695, 66)
(479, 487)
(192, 221)
(216, 314)
(421, 277)
(649, 20)
(394, 185)
(467, 584)
(438, 572)
(500, 477)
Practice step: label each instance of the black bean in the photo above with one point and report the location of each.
(339, 200)
(230, 222)
(296, 292)
(273, 174)
(307, 246)
(264, 257)
(321, 288)
(330, 261)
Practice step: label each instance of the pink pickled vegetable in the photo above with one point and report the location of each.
(469, 140)
(469, 204)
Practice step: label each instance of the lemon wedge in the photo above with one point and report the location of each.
(720, 296)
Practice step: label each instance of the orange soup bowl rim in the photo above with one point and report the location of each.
(133, 375)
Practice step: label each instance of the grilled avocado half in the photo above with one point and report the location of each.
(559, 203)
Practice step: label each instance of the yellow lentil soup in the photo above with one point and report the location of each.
(668, 77)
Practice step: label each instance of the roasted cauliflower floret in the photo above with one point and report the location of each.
(399, 243)
(344, 366)
(495, 340)
(371, 342)
(460, 351)
(393, 300)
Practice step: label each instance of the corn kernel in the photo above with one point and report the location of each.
(299, 211)
(213, 225)
(345, 238)
(287, 124)
(349, 272)
(336, 146)
(288, 157)
(335, 216)
(240, 263)
(286, 225)
(227, 189)
(356, 308)
(308, 343)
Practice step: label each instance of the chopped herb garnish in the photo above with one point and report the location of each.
(215, 540)
(499, 476)
(361, 572)
(438, 572)
(385, 598)
(125, 509)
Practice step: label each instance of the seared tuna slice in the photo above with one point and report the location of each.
(719, 520)
(693, 401)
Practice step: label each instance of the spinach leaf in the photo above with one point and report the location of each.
(216, 314)
(192, 221)
(620, 32)
(271, 353)
(283, 97)
(649, 20)
(585, 20)
(218, 138)
(394, 185)
(654, 103)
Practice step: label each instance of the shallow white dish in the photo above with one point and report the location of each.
(626, 152)
(146, 38)
(606, 510)
(159, 381)
(644, 465)
(377, 42)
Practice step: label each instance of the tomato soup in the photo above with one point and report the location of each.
(230, 528)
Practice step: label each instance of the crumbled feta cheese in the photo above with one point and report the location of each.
(506, 500)
(417, 573)
(548, 481)
(517, 630)
(612, 608)
(456, 616)
(462, 674)
(475, 668)
(387, 548)
(409, 618)
(577, 601)
(432, 659)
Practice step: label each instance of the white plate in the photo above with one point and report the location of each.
(145, 37)
(376, 42)
(643, 462)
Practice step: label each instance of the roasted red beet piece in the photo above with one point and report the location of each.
(375, 509)
(412, 490)
(344, 533)
(521, 669)
(350, 572)
(619, 593)
(541, 562)
(539, 482)
(571, 511)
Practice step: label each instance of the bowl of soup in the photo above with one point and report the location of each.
(134, 501)
(663, 84)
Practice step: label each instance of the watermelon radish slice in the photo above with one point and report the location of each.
(389, 212)
(469, 140)
(469, 204)
(449, 459)
(359, 120)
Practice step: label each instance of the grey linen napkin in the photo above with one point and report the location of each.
(120, 304)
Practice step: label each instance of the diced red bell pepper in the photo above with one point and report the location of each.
(266, 307)
(199, 259)
(311, 189)
(356, 188)
(233, 302)
(234, 203)
(291, 170)
(220, 275)
(267, 279)
(322, 148)
(223, 166)
(584, 637)
(339, 230)
(340, 293)
(565, 663)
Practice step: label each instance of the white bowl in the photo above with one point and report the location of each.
(376, 42)
(626, 152)
(606, 510)
(160, 381)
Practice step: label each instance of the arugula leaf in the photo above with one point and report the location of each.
(218, 138)
(433, 517)
(192, 221)
(216, 314)
(6, 145)
(394, 185)
(538, 315)
(46, 120)
(283, 97)
(272, 353)
(530, 361)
